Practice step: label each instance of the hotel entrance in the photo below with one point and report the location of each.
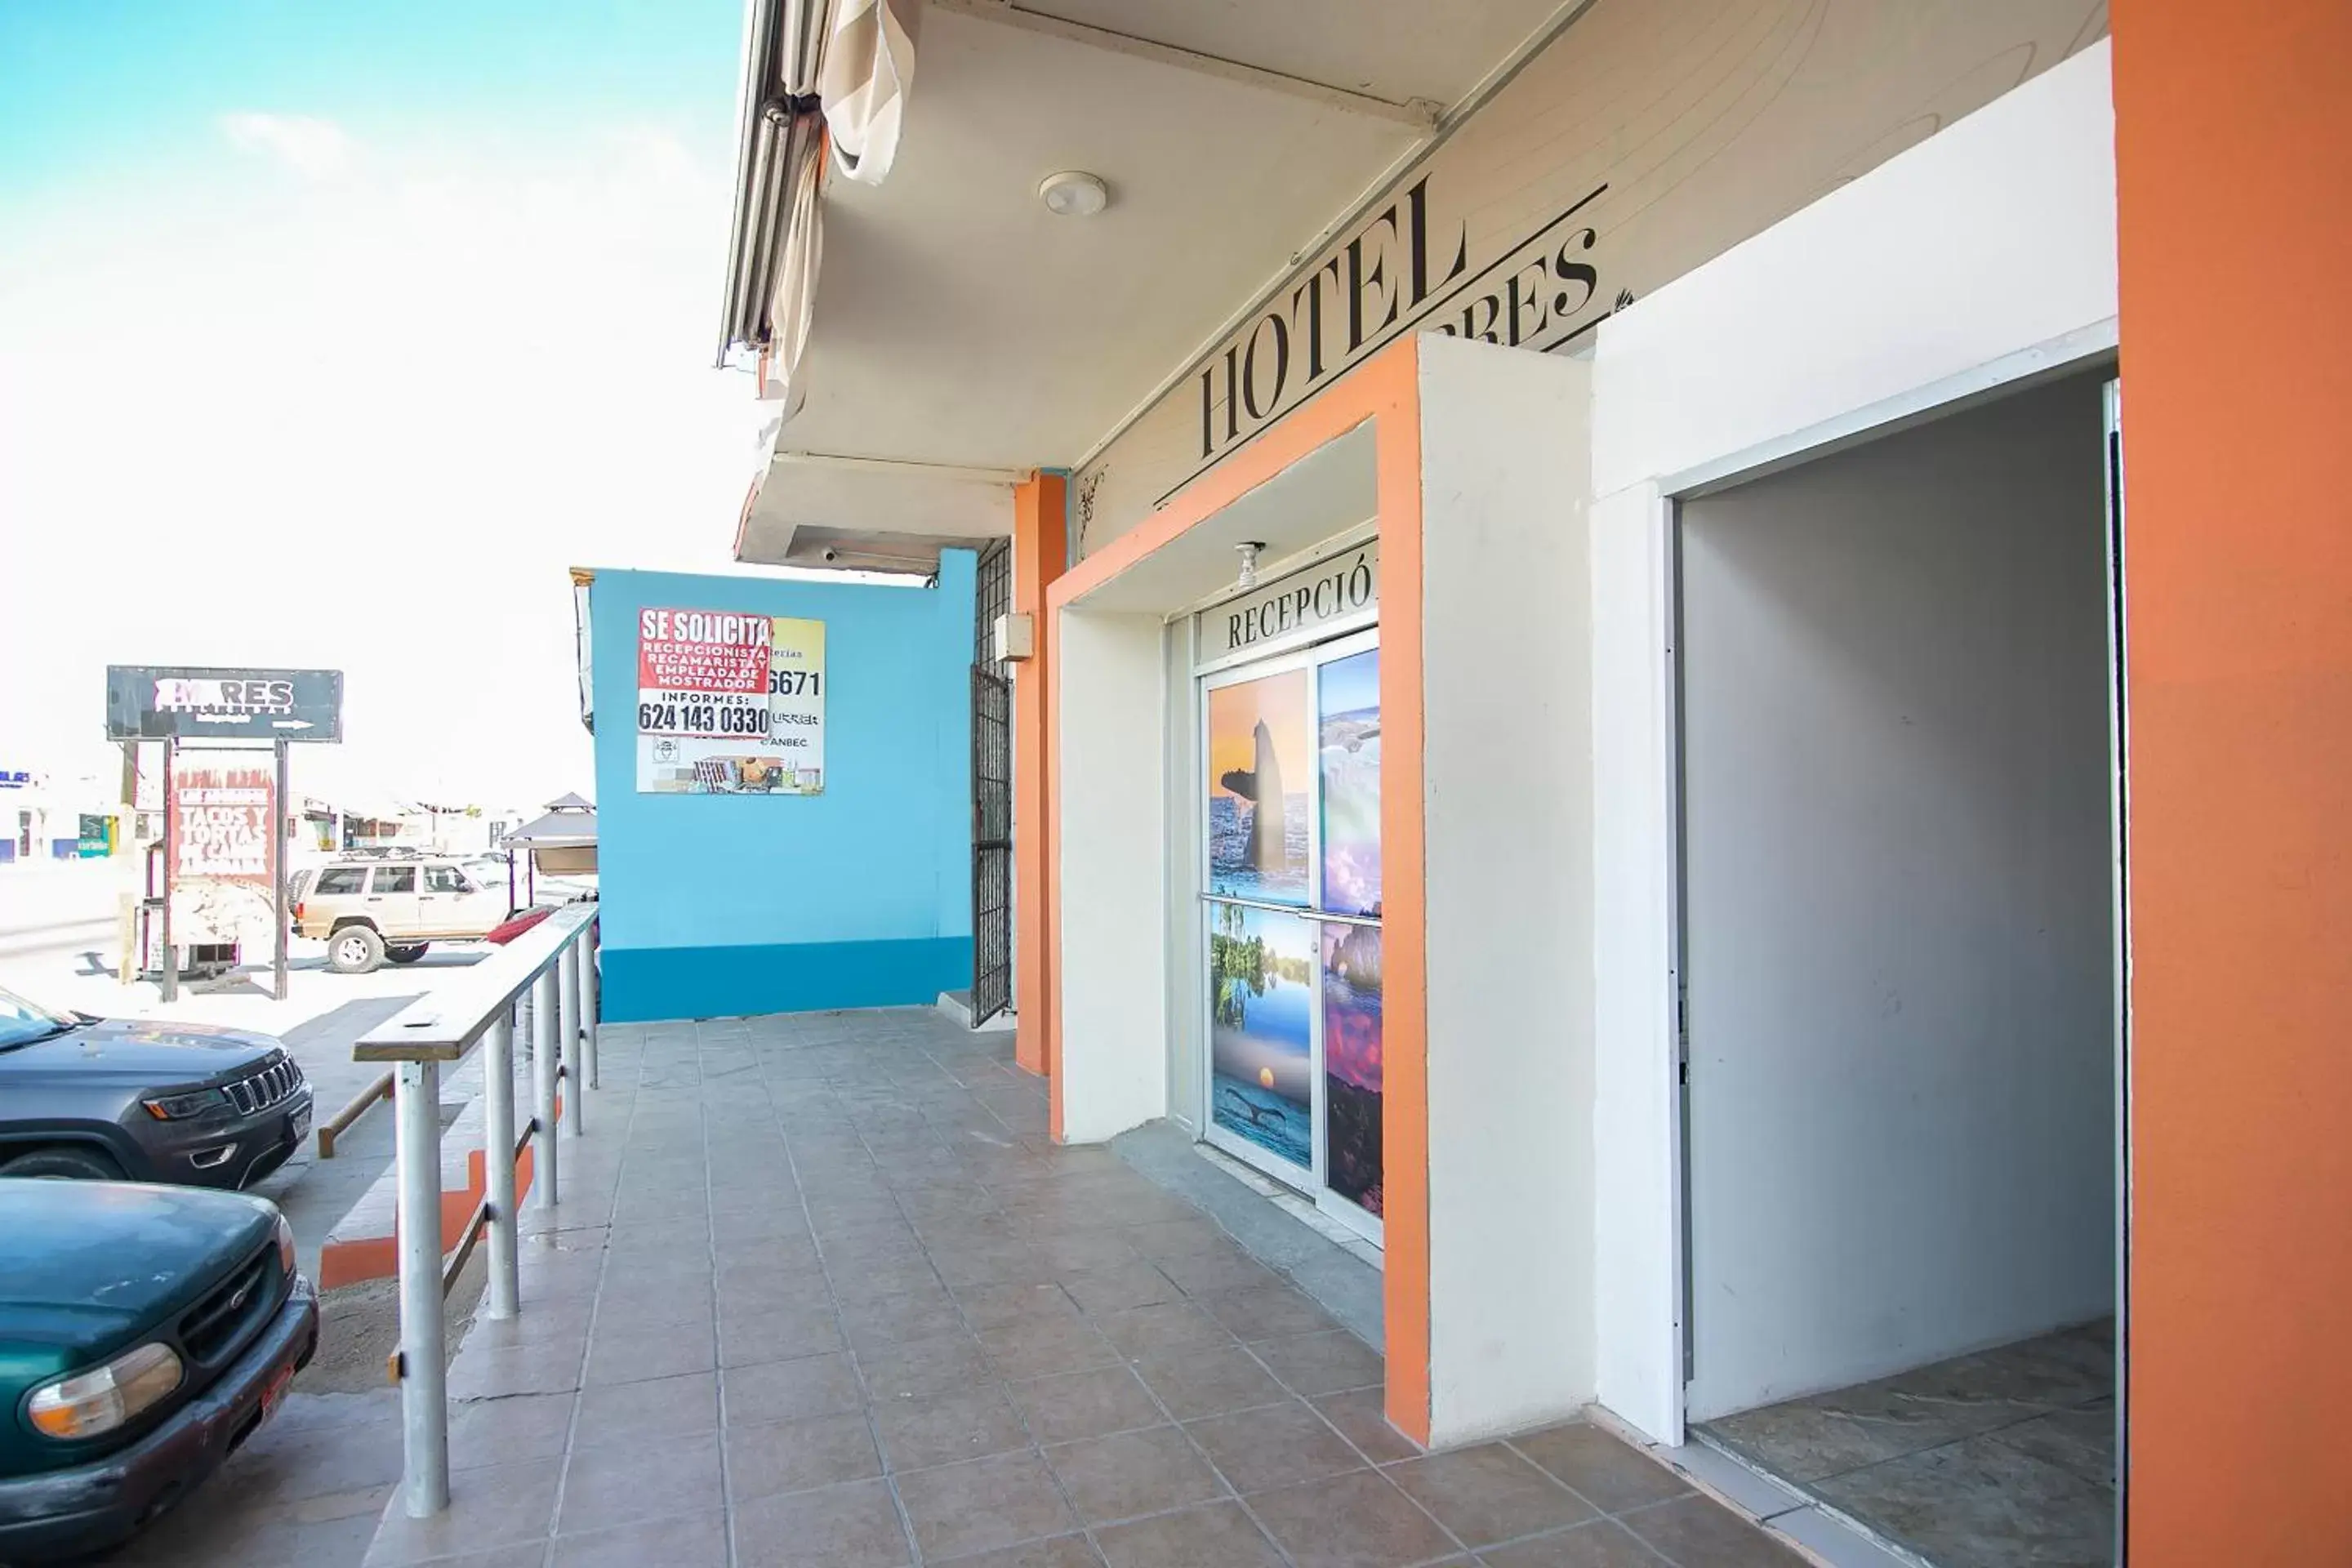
(1289, 841)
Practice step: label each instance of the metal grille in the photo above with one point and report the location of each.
(223, 1321)
(991, 598)
(272, 1084)
(992, 844)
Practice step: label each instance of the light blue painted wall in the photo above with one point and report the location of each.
(718, 905)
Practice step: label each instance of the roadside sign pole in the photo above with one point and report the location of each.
(279, 815)
(171, 857)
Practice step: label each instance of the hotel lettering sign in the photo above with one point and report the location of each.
(1384, 280)
(1639, 142)
(1298, 607)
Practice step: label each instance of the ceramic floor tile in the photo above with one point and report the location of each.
(1062, 1552)
(613, 1486)
(944, 1429)
(1091, 1404)
(1208, 1380)
(689, 1541)
(496, 1506)
(855, 1525)
(1277, 1445)
(1139, 1330)
(1602, 1543)
(983, 1504)
(1696, 1532)
(798, 1456)
(1220, 1535)
(937, 1364)
(1267, 1312)
(1329, 1363)
(1361, 1418)
(1488, 1494)
(1604, 1469)
(1133, 1473)
(790, 1390)
(1355, 1521)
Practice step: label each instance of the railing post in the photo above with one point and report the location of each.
(499, 1162)
(567, 982)
(424, 1358)
(588, 1000)
(542, 1055)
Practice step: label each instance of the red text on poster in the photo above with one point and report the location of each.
(703, 651)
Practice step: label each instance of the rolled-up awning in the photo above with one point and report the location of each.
(792, 303)
(816, 73)
(870, 62)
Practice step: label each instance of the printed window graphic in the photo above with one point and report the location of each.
(1348, 733)
(1259, 787)
(1261, 1029)
(1352, 1063)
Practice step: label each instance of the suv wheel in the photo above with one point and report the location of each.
(64, 1164)
(354, 950)
(407, 954)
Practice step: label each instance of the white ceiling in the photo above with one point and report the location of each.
(1323, 494)
(959, 323)
(1395, 49)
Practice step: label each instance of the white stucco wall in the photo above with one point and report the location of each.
(1897, 901)
(1980, 257)
(1114, 910)
(1506, 765)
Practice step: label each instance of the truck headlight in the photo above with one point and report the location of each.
(285, 1245)
(180, 1107)
(91, 1404)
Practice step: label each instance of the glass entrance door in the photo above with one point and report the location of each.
(1291, 869)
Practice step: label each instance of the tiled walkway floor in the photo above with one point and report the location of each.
(821, 1292)
(2002, 1459)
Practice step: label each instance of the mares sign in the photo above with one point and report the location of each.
(179, 702)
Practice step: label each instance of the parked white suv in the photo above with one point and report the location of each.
(370, 909)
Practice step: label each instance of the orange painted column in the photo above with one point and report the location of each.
(1040, 555)
(2234, 142)
(1393, 383)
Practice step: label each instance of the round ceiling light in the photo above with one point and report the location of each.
(1072, 193)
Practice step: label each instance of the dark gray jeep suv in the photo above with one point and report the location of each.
(115, 1098)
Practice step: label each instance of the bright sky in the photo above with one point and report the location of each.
(332, 334)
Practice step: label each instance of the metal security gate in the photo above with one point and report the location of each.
(992, 794)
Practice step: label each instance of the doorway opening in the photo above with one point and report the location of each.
(1290, 869)
(1900, 896)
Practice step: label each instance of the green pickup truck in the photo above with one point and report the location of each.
(145, 1332)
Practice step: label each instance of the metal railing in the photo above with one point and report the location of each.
(555, 961)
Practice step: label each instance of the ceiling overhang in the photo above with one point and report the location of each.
(964, 336)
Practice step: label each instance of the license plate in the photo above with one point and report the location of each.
(299, 1124)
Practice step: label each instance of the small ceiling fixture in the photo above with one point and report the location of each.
(1249, 548)
(1073, 194)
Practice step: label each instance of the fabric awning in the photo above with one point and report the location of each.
(870, 62)
(792, 307)
(818, 75)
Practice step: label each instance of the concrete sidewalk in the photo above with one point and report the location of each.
(820, 1292)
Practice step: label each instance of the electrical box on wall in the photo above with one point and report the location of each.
(1016, 638)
